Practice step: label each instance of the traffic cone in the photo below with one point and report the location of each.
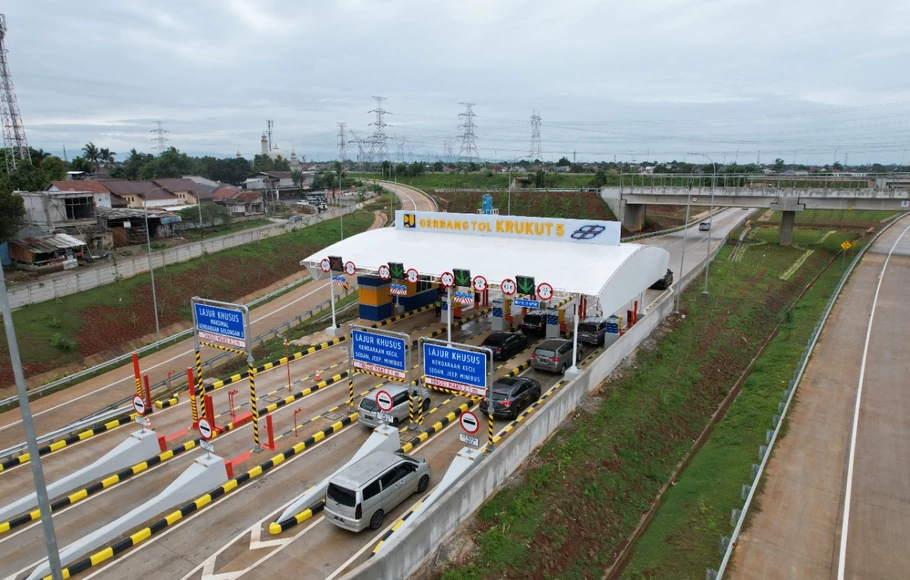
(318, 375)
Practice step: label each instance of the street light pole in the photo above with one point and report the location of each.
(710, 221)
(47, 524)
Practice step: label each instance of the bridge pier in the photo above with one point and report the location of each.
(633, 216)
(786, 228)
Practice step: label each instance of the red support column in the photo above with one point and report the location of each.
(147, 396)
(209, 409)
(271, 433)
(136, 373)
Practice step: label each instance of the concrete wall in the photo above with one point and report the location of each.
(86, 278)
(421, 540)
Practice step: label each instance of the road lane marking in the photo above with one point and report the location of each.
(845, 520)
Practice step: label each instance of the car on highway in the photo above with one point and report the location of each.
(553, 355)
(359, 496)
(294, 219)
(534, 322)
(370, 415)
(592, 330)
(511, 396)
(664, 281)
(505, 345)
(704, 226)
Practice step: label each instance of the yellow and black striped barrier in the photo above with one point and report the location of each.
(58, 445)
(99, 485)
(169, 520)
(394, 528)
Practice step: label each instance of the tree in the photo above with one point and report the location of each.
(12, 210)
(106, 156)
(92, 154)
(298, 178)
(81, 164)
(563, 162)
(134, 163)
(438, 167)
(53, 168)
(171, 163)
(837, 166)
(778, 164)
(600, 178)
(263, 163)
(211, 212)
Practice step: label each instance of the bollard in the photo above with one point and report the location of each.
(192, 387)
(296, 412)
(251, 371)
(231, 394)
(490, 430)
(198, 388)
(410, 409)
(147, 396)
(351, 391)
(270, 432)
(420, 411)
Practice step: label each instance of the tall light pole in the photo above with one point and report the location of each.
(148, 241)
(47, 524)
(509, 209)
(835, 157)
(710, 221)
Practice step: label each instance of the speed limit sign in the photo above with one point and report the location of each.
(325, 265)
(349, 268)
(508, 287)
(446, 280)
(480, 283)
(544, 291)
(412, 275)
(384, 272)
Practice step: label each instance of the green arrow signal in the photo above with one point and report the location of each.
(396, 270)
(462, 277)
(525, 284)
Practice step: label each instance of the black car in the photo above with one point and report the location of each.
(664, 282)
(534, 322)
(505, 345)
(511, 396)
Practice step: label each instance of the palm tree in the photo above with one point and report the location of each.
(106, 156)
(92, 153)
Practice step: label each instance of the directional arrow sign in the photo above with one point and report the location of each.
(525, 284)
(396, 270)
(462, 277)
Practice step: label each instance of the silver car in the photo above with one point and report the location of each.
(360, 496)
(369, 413)
(553, 355)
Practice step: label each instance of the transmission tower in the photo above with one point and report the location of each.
(400, 141)
(342, 144)
(361, 154)
(378, 149)
(14, 142)
(468, 152)
(536, 149)
(447, 151)
(160, 138)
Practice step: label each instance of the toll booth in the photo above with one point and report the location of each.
(375, 299)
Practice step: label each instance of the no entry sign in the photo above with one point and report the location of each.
(139, 404)
(205, 429)
(469, 422)
(384, 400)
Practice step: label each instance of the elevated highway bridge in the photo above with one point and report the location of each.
(788, 194)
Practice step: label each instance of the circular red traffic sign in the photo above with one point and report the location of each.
(446, 280)
(325, 265)
(479, 283)
(349, 268)
(384, 400)
(508, 287)
(384, 272)
(139, 404)
(204, 428)
(544, 291)
(469, 422)
(412, 275)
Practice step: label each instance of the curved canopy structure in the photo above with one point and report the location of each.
(615, 274)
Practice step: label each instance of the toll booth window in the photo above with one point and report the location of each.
(341, 495)
(424, 284)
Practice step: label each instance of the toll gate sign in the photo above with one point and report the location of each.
(455, 369)
(378, 353)
(220, 325)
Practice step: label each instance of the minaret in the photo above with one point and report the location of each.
(265, 145)
(293, 162)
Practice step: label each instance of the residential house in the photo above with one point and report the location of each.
(188, 191)
(139, 194)
(102, 195)
(239, 202)
(47, 253)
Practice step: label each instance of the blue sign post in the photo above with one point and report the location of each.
(379, 352)
(456, 369)
(220, 325)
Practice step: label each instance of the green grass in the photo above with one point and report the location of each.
(838, 218)
(591, 482)
(682, 540)
(481, 180)
(224, 229)
(224, 275)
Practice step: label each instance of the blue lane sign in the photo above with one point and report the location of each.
(525, 303)
(455, 369)
(220, 325)
(378, 353)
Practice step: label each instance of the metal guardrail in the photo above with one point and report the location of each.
(80, 424)
(765, 450)
(428, 196)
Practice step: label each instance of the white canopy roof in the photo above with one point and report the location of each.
(614, 274)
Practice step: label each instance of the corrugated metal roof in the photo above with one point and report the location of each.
(48, 244)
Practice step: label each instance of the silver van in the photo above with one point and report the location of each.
(369, 413)
(360, 496)
(554, 355)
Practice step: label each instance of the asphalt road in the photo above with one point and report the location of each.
(799, 530)
(231, 534)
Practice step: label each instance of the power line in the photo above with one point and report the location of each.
(14, 141)
(468, 152)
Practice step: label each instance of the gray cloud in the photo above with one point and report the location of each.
(643, 79)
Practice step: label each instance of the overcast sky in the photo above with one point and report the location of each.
(651, 79)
